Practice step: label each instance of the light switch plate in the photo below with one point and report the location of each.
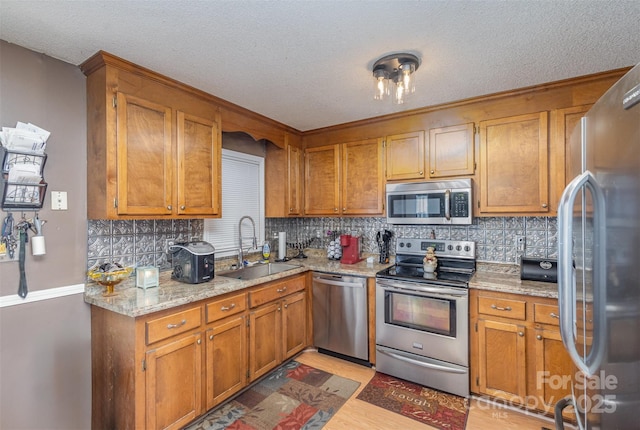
(58, 200)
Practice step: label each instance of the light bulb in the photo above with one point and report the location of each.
(399, 93)
(381, 84)
(407, 77)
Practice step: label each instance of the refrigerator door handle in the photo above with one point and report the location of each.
(566, 277)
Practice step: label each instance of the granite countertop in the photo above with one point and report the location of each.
(134, 302)
(505, 278)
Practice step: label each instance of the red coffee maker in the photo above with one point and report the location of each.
(350, 249)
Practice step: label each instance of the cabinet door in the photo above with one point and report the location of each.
(265, 337)
(294, 324)
(322, 180)
(405, 156)
(144, 157)
(363, 178)
(226, 359)
(173, 383)
(295, 178)
(514, 172)
(199, 165)
(553, 368)
(451, 151)
(502, 357)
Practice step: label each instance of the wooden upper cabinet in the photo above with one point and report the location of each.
(295, 179)
(405, 156)
(514, 165)
(144, 157)
(153, 145)
(322, 180)
(198, 157)
(451, 151)
(363, 178)
(345, 179)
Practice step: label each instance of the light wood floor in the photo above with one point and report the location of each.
(356, 414)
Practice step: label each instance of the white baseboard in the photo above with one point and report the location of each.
(36, 296)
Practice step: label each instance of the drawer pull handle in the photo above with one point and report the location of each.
(500, 308)
(554, 315)
(228, 308)
(281, 290)
(180, 324)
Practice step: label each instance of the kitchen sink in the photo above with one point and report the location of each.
(258, 271)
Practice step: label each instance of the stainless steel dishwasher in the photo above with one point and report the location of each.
(340, 322)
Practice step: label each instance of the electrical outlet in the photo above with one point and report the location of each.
(520, 243)
(318, 234)
(167, 244)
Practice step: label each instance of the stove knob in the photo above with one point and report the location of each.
(467, 248)
(450, 247)
(408, 245)
(401, 244)
(458, 248)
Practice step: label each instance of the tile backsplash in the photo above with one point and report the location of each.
(142, 242)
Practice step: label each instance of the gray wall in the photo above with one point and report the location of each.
(45, 346)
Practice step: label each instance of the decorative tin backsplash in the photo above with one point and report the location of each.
(142, 242)
(137, 242)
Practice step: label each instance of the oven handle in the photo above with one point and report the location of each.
(423, 291)
(402, 357)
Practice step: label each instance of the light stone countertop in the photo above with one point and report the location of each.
(134, 302)
(505, 278)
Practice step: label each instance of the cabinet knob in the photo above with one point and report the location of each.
(335, 209)
(183, 207)
(539, 337)
(286, 306)
(344, 209)
(544, 205)
(290, 209)
(169, 207)
(279, 309)
(520, 333)
(199, 341)
(433, 172)
(421, 173)
(210, 337)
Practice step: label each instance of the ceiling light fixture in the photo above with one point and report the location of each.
(394, 74)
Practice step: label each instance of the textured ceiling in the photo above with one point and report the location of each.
(308, 63)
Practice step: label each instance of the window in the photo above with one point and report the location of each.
(242, 194)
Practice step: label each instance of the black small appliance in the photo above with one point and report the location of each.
(193, 262)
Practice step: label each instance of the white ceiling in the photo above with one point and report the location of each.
(308, 63)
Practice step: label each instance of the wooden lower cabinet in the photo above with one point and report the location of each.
(164, 370)
(516, 349)
(277, 324)
(173, 383)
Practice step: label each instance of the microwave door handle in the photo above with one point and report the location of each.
(447, 204)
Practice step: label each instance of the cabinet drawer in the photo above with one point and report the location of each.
(546, 314)
(508, 308)
(276, 290)
(179, 322)
(225, 307)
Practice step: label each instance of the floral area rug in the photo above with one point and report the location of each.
(294, 396)
(431, 407)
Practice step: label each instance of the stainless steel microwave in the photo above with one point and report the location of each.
(434, 202)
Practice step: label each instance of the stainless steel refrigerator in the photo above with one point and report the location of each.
(599, 261)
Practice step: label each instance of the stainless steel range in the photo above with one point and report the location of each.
(422, 319)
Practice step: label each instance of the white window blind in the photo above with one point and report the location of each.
(242, 194)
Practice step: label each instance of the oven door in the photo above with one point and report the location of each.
(423, 319)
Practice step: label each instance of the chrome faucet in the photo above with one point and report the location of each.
(255, 240)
